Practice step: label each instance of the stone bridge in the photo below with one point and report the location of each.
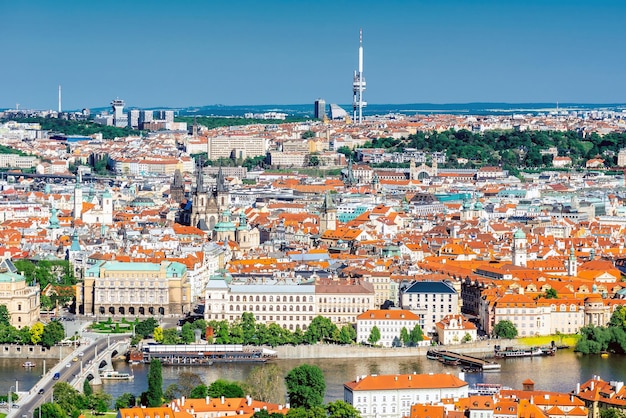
(103, 360)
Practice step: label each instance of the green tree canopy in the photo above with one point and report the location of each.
(125, 400)
(320, 329)
(305, 386)
(505, 329)
(199, 392)
(5, 319)
(53, 332)
(226, 389)
(374, 336)
(342, 409)
(154, 395)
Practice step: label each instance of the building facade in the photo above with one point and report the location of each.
(389, 322)
(140, 289)
(432, 301)
(21, 300)
(391, 396)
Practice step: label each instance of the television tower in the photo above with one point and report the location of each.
(59, 98)
(358, 86)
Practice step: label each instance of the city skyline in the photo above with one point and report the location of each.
(193, 54)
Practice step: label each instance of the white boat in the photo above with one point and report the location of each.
(28, 364)
(115, 375)
(486, 389)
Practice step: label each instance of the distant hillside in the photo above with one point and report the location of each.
(84, 128)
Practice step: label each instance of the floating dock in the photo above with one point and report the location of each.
(462, 359)
(201, 354)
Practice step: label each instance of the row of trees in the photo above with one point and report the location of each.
(511, 149)
(46, 335)
(82, 128)
(610, 338)
(69, 402)
(248, 331)
(406, 338)
(305, 387)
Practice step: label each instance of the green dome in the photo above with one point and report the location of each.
(519, 234)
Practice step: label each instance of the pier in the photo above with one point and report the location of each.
(462, 359)
(201, 354)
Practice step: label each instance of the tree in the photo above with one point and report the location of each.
(99, 402)
(199, 392)
(301, 412)
(612, 413)
(467, 338)
(314, 160)
(5, 319)
(505, 329)
(321, 328)
(416, 335)
(52, 334)
(374, 335)
(341, 409)
(125, 400)
(187, 381)
(305, 386)
(158, 334)
(170, 336)
(87, 389)
(551, 294)
(226, 389)
(154, 395)
(308, 134)
(187, 335)
(404, 336)
(50, 410)
(68, 398)
(264, 414)
(347, 335)
(266, 383)
(36, 332)
(146, 328)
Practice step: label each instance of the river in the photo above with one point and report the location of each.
(558, 373)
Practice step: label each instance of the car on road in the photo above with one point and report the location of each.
(75, 359)
(81, 354)
(41, 391)
(15, 406)
(68, 364)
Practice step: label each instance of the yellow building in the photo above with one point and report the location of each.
(21, 300)
(139, 289)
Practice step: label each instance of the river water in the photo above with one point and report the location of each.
(558, 373)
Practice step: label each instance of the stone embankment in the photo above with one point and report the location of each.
(479, 349)
(33, 351)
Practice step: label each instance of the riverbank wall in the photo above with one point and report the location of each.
(482, 349)
(34, 351)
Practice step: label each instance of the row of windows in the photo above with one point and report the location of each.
(268, 298)
(133, 285)
(418, 297)
(264, 308)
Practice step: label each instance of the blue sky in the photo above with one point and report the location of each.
(189, 53)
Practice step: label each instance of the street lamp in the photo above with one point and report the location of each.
(10, 398)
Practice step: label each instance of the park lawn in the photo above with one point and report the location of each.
(546, 340)
(2, 415)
